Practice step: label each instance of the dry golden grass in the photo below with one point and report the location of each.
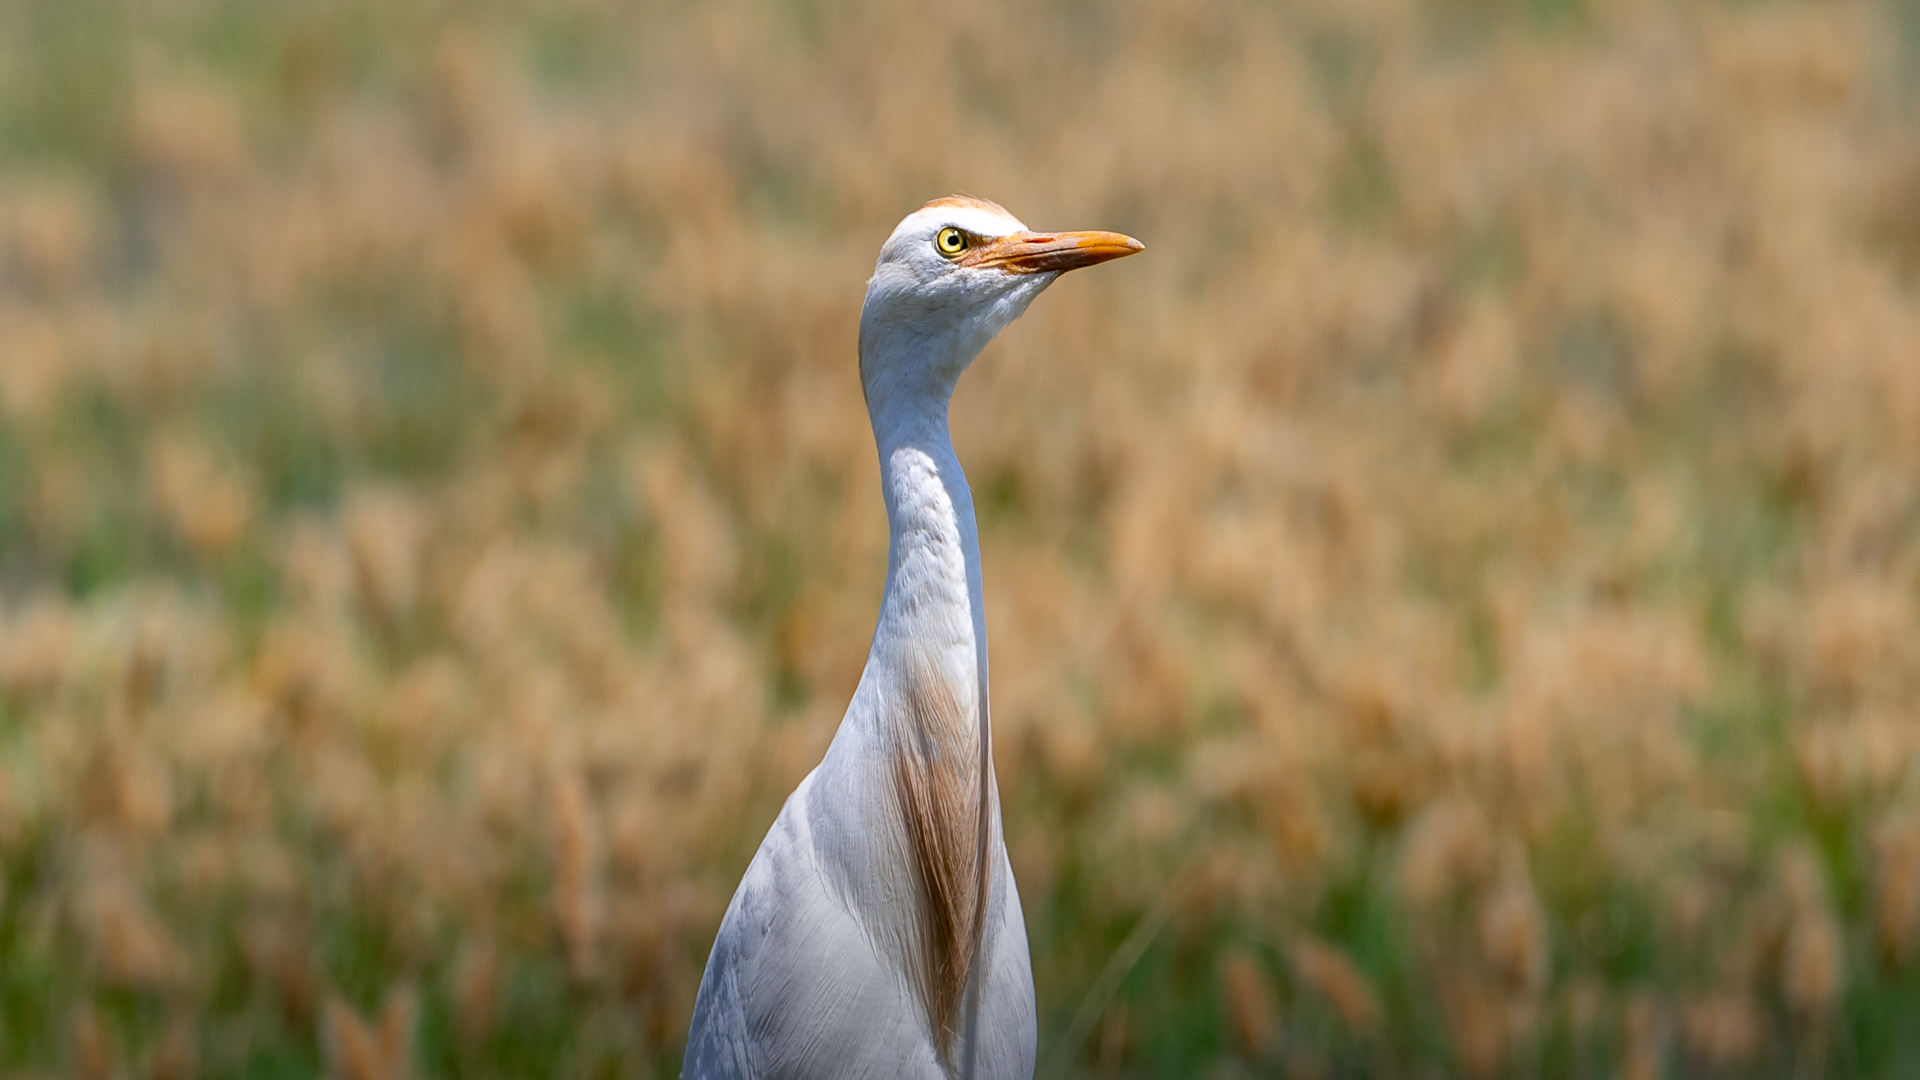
(1461, 588)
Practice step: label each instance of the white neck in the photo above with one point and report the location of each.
(933, 596)
(931, 630)
(922, 703)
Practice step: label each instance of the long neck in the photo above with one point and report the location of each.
(930, 648)
(933, 600)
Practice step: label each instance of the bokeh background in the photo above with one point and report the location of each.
(1455, 599)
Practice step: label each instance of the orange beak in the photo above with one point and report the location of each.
(1039, 253)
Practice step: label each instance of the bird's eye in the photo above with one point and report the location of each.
(950, 242)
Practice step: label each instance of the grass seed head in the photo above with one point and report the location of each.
(1250, 1006)
(1328, 972)
(382, 1049)
(1896, 910)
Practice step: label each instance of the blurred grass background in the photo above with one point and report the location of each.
(1455, 601)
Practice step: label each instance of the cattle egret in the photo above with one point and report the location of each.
(877, 932)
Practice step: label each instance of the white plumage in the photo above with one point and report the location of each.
(865, 940)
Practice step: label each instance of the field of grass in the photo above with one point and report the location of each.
(1455, 598)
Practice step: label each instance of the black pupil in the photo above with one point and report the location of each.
(952, 241)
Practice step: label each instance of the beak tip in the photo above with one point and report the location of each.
(1112, 245)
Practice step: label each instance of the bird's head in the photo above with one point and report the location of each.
(950, 277)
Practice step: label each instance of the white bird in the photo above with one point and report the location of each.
(877, 932)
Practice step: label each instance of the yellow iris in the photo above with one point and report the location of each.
(950, 242)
